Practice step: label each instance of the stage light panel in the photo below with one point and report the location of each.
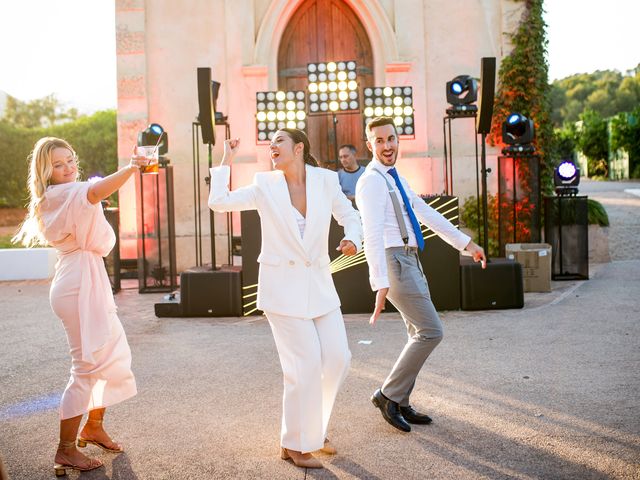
(394, 102)
(276, 110)
(333, 87)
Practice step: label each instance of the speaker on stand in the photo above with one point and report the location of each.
(500, 285)
(483, 127)
(206, 291)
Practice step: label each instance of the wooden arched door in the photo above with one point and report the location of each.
(324, 31)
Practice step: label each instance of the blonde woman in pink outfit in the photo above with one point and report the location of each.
(66, 214)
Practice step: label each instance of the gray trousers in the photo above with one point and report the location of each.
(409, 293)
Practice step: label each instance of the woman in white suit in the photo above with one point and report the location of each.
(295, 289)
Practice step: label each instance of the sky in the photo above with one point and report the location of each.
(67, 47)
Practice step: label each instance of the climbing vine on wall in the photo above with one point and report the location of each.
(523, 86)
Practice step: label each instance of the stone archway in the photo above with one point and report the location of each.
(370, 12)
(323, 31)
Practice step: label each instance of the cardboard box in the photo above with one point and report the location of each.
(535, 259)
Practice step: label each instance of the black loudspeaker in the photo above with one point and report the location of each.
(440, 263)
(206, 114)
(168, 309)
(498, 286)
(211, 293)
(487, 92)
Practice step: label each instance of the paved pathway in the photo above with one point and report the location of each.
(623, 209)
(548, 392)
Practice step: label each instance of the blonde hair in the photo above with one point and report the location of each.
(40, 170)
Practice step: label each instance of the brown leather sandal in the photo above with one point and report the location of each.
(82, 442)
(328, 448)
(303, 460)
(61, 468)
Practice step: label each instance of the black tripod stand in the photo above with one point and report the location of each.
(484, 171)
(205, 291)
(195, 137)
(453, 114)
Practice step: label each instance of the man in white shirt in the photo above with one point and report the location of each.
(395, 271)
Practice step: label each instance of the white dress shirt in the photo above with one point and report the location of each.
(380, 225)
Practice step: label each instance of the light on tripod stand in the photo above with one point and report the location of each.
(333, 87)
(276, 110)
(566, 178)
(394, 102)
(462, 93)
(517, 133)
(151, 135)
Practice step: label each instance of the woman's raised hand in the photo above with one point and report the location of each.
(231, 147)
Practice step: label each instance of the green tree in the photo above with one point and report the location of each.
(593, 140)
(628, 94)
(565, 141)
(95, 141)
(625, 134)
(16, 145)
(94, 138)
(606, 92)
(42, 112)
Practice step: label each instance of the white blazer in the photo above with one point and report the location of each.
(294, 277)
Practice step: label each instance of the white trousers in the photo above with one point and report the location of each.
(315, 358)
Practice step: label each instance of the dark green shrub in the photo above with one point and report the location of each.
(597, 213)
(469, 219)
(93, 137)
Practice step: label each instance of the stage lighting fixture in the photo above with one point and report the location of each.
(518, 133)
(462, 92)
(277, 110)
(566, 178)
(220, 118)
(151, 135)
(394, 102)
(333, 87)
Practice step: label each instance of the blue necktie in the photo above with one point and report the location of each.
(407, 204)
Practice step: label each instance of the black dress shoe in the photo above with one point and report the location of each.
(411, 416)
(390, 411)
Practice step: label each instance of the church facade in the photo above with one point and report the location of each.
(257, 46)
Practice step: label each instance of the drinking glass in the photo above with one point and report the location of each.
(150, 152)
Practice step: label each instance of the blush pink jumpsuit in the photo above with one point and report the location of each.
(81, 297)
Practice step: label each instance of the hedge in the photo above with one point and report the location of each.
(93, 137)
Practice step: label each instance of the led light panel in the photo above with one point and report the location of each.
(394, 102)
(275, 110)
(333, 87)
